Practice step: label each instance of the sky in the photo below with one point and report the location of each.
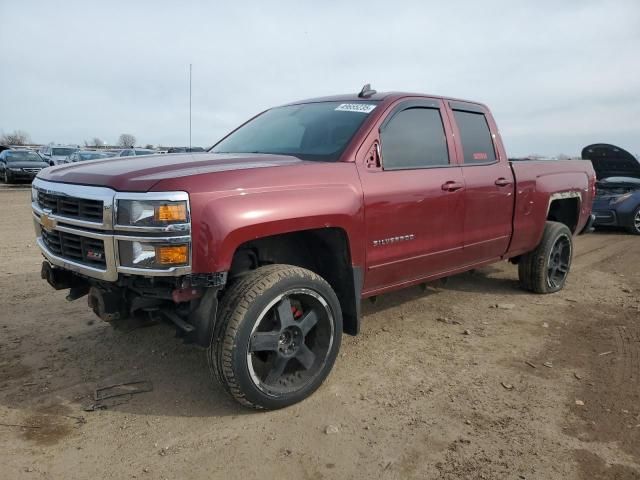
(557, 75)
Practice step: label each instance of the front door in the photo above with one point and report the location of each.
(414, 199)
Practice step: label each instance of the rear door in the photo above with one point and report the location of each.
(413, 198)
(489, 183)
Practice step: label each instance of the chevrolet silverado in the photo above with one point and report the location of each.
(262, 248)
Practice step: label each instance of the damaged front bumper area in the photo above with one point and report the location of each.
(120, 250)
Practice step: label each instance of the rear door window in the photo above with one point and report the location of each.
(414, 138)
(477, 143)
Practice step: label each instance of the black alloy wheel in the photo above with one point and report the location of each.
(290, 341)
(559, 262)
(546, 268)
(276, 336)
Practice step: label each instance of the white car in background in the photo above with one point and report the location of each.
(57, 154)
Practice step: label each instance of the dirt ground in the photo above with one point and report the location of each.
(440, 384)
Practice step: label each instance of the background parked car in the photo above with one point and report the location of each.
(83, 155)
(617, 201)
(57, 154)
(133, 152)
(16, 165)
(185, 149)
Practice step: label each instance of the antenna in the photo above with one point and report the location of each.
(366, 91)
(190, 68)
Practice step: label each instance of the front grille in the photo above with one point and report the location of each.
(69, 246)
(31, 170)
(73, 207)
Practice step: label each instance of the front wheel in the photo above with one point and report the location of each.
(277, 336)
(634, 227)
(545, 269)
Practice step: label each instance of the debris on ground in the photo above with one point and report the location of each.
(95, 406)
(507, 386)
(531, 364)
(577, 375)
(580, 403)
(467, 332)
(548, 364)
(120, 389)
(605, 353)
(448, 320)
(331, 429)
(503, 306)
(123, 391)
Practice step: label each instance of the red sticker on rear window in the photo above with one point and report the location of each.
(480, 156)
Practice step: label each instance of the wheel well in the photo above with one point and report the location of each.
(565, 210)
(323, 251)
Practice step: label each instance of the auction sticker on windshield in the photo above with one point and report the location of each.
(355, 107)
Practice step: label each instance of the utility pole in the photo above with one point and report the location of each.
(190, 68)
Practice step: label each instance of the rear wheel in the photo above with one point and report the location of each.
(545, 269)
(277, 336)
(635, 222)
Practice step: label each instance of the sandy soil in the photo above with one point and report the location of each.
(414, 396)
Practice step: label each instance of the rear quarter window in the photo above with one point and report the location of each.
(477, 143)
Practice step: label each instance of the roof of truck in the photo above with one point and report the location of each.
(378, 96)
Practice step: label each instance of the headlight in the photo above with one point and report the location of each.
(153, 255)
(620, 199)
(34, 195)
(151, 213)
(15, 169)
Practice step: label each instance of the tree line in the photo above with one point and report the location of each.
(20, 137)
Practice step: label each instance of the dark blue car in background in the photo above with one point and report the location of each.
(617, 201)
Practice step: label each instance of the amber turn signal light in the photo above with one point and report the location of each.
(171, 213)
(172, 254)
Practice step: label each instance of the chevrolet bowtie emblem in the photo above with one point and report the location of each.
(47, 222)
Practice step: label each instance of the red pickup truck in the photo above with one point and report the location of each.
(262, 248)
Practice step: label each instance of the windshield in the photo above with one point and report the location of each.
(23, 157)
(311, 131)
(62, 152)
(144, 152)
(90, 156)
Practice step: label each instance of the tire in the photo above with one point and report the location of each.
(276, 337)
(545, 269)
(634, 227)
(6, 178)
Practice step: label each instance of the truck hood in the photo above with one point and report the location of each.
(141, 173)
(611, 161)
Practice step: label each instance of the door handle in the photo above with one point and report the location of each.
(451, 186)
(502, 182)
